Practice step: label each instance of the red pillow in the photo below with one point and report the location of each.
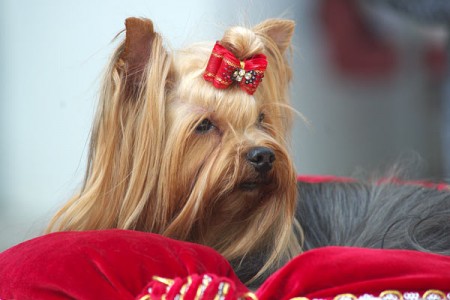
(108, 264)
(389, 180)
(119, 264)
(326, 273)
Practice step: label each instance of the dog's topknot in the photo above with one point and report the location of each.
(243, 42)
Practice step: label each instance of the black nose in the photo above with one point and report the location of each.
(261, 158)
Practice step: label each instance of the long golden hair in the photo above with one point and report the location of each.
(150, 170)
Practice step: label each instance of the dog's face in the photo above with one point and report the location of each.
(229, 152)
(173, 154)
(228, 147)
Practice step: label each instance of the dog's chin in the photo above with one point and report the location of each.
(255, 185)
(249, 186)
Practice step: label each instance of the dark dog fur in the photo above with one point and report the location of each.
(370, 215)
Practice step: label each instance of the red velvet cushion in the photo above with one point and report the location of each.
(118, 264)
(109, 264)
(331, 271)
(390, 180)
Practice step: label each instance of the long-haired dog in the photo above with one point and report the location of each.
(177, 154)
(193, 144)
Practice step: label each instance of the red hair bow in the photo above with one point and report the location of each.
(224, 68)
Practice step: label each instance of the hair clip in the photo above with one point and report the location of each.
(224, 68)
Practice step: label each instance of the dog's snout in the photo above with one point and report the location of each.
(261, 158)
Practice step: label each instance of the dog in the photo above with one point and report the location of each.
(182, 149)
(193, 145)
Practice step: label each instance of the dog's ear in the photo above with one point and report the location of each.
(137, 50)
(279, 30)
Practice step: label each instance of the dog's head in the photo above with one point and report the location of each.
(173, 154)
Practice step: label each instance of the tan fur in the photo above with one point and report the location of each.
(150, 170)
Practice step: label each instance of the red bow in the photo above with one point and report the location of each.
(224, 68)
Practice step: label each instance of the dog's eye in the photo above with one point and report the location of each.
(204, 126)
(261, 118)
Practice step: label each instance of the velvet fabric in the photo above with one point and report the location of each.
(440, 186)
(120, 264)
(331, 271)
(107, 264)
(224, 68)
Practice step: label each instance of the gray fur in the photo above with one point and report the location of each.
(369, 215)
(388, 216)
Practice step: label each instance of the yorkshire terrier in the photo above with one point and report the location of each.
(193, 144)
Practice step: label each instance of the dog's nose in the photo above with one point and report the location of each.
(261, 158)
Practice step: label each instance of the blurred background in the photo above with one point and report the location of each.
(370, 76)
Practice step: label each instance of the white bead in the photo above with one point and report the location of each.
(411, 296)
